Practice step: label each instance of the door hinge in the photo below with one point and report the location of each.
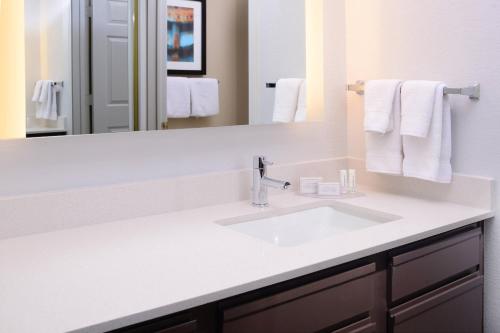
(90, 100)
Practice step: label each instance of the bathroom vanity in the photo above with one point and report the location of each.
(164, 231)
(434, 285)
(419, 262)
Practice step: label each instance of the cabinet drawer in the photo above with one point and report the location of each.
(309, 308)
(424, 267)
(169, 325)
(455, 308)
(364, 326)
(189, 327)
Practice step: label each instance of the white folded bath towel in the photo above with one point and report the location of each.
(301, 114)
(428, 157)
(286, 100)
(379, 105)
(384, 147)
(178, 97)
(204, 97)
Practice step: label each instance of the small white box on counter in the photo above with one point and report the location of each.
(309, 185)
(329, 189)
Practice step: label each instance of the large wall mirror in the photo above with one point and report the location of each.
(104, 66)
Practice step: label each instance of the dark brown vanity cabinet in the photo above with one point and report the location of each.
(432, 286)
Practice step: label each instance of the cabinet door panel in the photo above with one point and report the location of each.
(422, 268)
(309, 308)
(182, 328)
(170, 325)
(455, 308)
(364, 326)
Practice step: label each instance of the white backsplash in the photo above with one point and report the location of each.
(44, 212)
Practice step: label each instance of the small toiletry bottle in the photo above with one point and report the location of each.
(344, 182)
(353, 185)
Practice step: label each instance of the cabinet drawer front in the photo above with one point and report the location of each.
(446, 310)
(170, 325)
(189, 327)
(364, 326)
(422, 268)
(309, 308)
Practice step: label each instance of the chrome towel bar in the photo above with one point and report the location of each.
(473, 92)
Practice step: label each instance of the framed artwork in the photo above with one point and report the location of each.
(186, 37)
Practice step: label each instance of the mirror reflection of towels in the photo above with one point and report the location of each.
(204, 97)
(45, 98)
(178, 97)
(301, 114)
(286, 100)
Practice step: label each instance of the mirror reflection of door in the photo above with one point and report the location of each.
(110, 76)
(104, 71)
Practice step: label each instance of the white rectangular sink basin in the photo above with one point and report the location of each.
(295, 227)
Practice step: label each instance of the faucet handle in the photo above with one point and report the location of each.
(260, 162)
(266, 162)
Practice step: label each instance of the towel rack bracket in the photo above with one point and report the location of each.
(358, 87)
(473, 92)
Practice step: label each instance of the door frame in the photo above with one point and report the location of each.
(150, 90)
(157, 34)
(82, 92)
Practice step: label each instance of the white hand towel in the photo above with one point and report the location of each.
(429, 158)
(178, 97)
(44, 93)
(286, 100)
(417, 103)
(44, 103)
(37, 91)
(204, 97)
(301, 114)
(384, 152)
(379, 105)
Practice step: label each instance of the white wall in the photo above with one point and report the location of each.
(457, 41)
(48, 54)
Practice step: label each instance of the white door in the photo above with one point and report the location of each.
(110, 74)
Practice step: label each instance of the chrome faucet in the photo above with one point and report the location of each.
(261, 182)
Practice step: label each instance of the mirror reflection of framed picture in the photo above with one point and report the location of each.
(186, 37)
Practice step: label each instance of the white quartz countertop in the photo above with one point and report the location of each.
(107, 276)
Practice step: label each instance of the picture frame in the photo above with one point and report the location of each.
(186, 37)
